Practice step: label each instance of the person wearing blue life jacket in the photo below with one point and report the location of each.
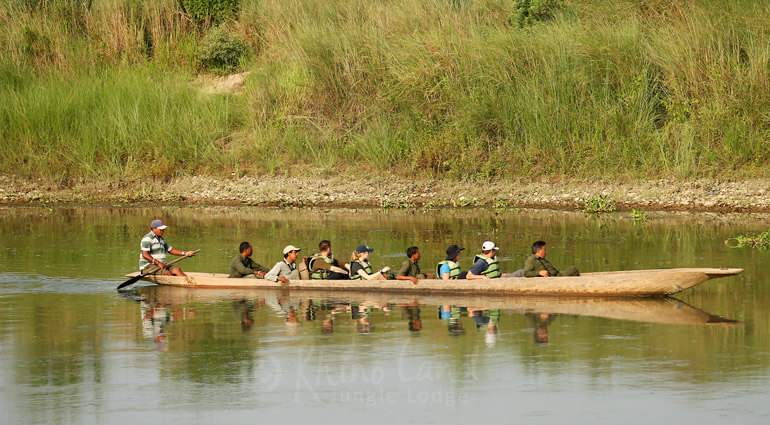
(486, 266)
(449, 269)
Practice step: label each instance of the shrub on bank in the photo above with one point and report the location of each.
(529, 12)
(221, 51)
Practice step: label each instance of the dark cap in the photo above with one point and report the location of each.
(363, 248)
(452, 252)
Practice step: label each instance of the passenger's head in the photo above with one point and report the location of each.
(489, 247)
(413, 252)
(290, 253)
(324, 247)
(244, 247)
(538, 248)
(362, 252)
(453, 252)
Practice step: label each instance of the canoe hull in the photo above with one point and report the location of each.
(620, 283)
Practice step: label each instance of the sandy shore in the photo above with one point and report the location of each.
(399, 192)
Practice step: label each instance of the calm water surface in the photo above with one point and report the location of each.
(73, 350)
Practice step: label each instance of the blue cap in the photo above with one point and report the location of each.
(157, 224)
(363, 248)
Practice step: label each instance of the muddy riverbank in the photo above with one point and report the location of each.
(399, 192)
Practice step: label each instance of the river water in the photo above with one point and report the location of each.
(73, 350)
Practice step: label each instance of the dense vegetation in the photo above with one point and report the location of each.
(458, 88)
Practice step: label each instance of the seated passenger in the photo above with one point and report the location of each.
(410, 270)
(287, 268)
(243, 266)
(361, 269)
(450, 267)
(485, 266)
(328, 267)
(536, 265)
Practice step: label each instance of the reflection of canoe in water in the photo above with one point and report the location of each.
(651, 309)
(622, 283)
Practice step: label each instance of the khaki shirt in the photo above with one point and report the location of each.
(320, 264)
(241, 267)
(410, 268)
(534, 264)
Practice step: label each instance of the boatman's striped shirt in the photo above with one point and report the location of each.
(156, 246)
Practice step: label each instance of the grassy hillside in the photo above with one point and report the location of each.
(457, 88)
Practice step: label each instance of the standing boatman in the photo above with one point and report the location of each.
(154, 249)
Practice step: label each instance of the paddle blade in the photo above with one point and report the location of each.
(130, 281)
(150, 269)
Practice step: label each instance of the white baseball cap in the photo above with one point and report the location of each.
(489, 245)
(290, 248)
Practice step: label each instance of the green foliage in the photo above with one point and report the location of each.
(33, 43)
(221, 51)
(529, 12)
(389, 205)
(503, 205)
(597, 204)
(215, 11)
(464, 202)
(638, 216)
(761, 240)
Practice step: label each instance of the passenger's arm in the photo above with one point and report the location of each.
(530, 268)
(374, 276)
(413, 279)
(477, 269)
(240, 268)
(272, 275)
(260, 268)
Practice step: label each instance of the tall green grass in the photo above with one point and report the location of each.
(460, 89)
(122, 123)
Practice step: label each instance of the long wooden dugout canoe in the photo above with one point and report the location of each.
(663, 310)
(633, 283)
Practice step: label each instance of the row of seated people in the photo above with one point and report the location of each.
(323, 265)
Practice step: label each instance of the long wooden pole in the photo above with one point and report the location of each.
(153, 268)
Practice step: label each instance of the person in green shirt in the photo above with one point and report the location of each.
(410, 270)
(537, 266)
(243, 266)
(324, 266)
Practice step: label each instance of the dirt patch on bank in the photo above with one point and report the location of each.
(216, 84)
(394, 192)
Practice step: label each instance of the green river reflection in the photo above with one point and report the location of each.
(73, 350)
